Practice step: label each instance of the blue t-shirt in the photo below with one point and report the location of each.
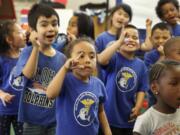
(151, 57)
(176, 30)
(102, 41)
(10, 84)
(77, 106)
(125, 78)
(35, 107)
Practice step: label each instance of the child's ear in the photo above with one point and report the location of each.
(154, 87)
(9, 40)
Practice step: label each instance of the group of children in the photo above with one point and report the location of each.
(46, 92)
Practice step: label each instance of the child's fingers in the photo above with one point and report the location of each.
(79, 55)
(9, 98)
(75, 61)
(34, 38)
(148, 21)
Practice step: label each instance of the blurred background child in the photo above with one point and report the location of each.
(12, 39)
(80, 25)
(168, 11)
(172, 49)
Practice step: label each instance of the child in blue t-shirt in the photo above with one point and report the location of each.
(12, 39)
(120, 15)
(161, 32)
(168, 11)
(127, 81)
(80, 96)
(39, 63)
(80, 25)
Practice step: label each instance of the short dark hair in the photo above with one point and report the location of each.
(125, 7)
(170, 44)
(160, 3)
(126, 27)
(131, 26)
(70, 46)
(157, 70)
(161, 26)
(38, 10)
(85, 25)
(6, 29)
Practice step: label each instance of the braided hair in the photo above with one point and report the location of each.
(158, 69)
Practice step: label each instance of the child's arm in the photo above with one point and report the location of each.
(147, 45)
(54, 88)
(103, 121)
(136, 110)
(105, 56)
(30, 68)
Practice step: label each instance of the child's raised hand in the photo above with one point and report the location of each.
(34, 39)
(73, 63)
(122, 35)
(148, 22)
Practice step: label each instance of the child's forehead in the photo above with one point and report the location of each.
(161, 31)
(173, 71)
(44, 18)
(168, 5)
(121, 10)
(86, 46)
(131, 31)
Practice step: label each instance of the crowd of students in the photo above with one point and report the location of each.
(47, 88)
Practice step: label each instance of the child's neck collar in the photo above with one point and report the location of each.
(129, 56)
(48, 51)
(113, 31)
(85, 79)
(164, 108)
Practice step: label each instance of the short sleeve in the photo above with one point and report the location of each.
(22, 60)
(144, 83)
(103, 97)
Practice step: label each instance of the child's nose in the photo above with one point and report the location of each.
(50, 27)
(87, 60)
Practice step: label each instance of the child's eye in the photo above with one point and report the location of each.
(92, 56)
(126, 15)
(173, 83)
(44, 25)
(55, 24)
(165, 38)
(134, 37)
